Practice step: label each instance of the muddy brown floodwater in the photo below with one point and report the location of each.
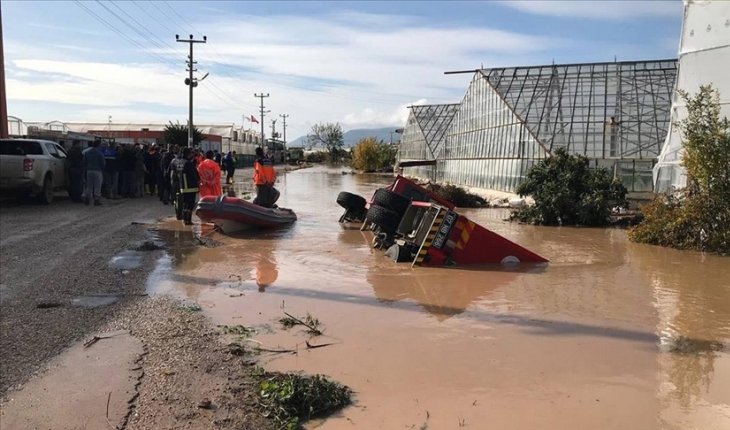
(608, 335)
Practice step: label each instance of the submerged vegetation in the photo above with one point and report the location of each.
(698, 216)
(567, 191)
(457, 195)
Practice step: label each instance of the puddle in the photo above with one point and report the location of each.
(94, 300)
(126, 260)
(572, 341)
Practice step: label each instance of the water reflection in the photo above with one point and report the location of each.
(692, 300)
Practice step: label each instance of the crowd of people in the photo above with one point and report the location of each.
(172, 173)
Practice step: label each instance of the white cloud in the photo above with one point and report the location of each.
(596, 9)
(364, 74)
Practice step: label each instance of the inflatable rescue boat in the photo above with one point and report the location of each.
(233, 214)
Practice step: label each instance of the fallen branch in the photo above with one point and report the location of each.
(277, 351)
(95, 339)
(310, 346)
(311, 328)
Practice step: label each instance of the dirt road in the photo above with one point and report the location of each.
(56, 283)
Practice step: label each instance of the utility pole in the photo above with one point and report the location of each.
(262, 96)
(273, 128)
(4, 132)
(284, 125)
(191, 82)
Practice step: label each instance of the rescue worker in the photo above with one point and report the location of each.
(210, 176)
(218, 158)
(75, 172)
(264, 177)
(188, 182)
(150, 158)
(94, 163)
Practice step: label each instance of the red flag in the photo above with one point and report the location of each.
(253, 119)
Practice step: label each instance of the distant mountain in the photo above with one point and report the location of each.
(351, 137)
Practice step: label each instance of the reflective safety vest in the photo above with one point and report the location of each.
(263, 171)
(187, 175)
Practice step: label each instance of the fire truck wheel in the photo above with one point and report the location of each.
(351, 201)
(385, 219)
(392, 201)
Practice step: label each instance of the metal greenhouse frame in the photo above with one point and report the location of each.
(617, 114)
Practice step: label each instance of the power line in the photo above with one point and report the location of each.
(145, 50)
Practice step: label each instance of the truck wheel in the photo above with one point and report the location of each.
(46, 195)
(386, 219)
(392, 201)
(351, 201)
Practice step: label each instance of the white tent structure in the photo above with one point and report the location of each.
(704, 58)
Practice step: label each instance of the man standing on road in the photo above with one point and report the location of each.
(189, 180)
(230, 162)
(210, 176)
(218, 158)
(75, 172)
(264, 176)
(111, 171)
(94, 164)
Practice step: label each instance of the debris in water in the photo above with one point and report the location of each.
(310, 322)
(685, 345)
(191, 308)
(292, 399)
(238, 329)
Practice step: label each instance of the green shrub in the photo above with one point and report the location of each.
(369, 155)
(697, 217)
(316, 157)
(568, 192)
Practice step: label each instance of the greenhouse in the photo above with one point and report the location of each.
(617, 114)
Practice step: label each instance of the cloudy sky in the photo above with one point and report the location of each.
(357, 63)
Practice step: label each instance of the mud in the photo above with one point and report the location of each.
(573, 342)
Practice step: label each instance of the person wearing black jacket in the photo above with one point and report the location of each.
(75, 172)
(189, 182)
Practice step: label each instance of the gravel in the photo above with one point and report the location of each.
(190, 380)
(52, 254)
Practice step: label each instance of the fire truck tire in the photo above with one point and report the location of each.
(386, 219)
(391, 201)
(351, 201)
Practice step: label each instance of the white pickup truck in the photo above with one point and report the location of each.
(29, 166)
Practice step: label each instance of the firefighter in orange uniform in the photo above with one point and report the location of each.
(210, 176)
(264, 176)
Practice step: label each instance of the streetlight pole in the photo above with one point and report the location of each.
(4, 132)
(191, 82)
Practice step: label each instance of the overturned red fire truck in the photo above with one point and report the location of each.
(418, 226)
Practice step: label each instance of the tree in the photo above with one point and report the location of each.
(698, 216)
(328, 135)
(176, 134)
(568, 192)
(366, 156)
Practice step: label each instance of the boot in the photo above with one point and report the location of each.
(97, 202)
(188, 217)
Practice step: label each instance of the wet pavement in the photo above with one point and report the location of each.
(609, 334)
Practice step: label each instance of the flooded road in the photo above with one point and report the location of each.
(608, 335)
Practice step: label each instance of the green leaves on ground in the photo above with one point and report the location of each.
(291, 399)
